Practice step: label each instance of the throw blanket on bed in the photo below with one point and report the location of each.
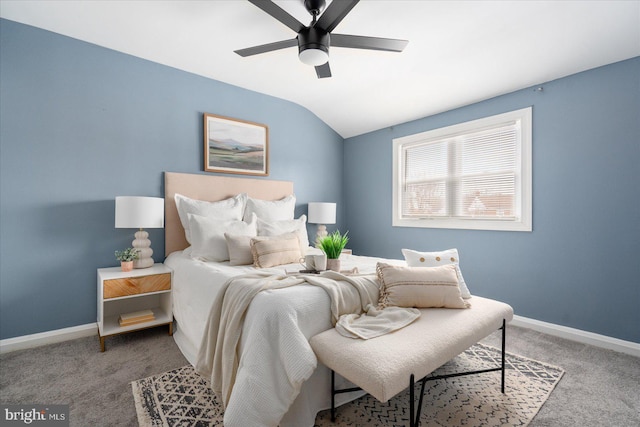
(349, 294)
(219, 354)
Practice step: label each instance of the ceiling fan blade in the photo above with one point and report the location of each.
(278, 13)
(363, 42)
(269, 47)
(323, 70)
(334, 14)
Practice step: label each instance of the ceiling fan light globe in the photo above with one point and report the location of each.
(313, 57)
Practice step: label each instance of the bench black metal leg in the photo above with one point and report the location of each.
(334, 392)
(333, 396)
(504, 335)
(412, 421)
(414, 416)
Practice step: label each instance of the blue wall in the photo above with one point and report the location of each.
(80, 125)
(580, 267)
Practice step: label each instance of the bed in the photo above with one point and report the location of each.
(279, 380)
(196, 284)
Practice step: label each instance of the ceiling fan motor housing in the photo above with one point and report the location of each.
(312, 38)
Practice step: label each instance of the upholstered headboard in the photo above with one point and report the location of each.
(210, 188)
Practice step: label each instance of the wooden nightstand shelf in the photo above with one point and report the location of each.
(122, 292)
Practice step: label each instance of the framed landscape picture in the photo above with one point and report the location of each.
(235, 146)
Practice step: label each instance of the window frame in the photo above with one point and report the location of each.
(523, 205)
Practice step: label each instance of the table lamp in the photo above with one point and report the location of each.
(140, 212)
(321, 214)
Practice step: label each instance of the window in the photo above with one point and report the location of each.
(474, 175)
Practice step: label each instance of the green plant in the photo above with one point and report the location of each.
(333, 244)
(128, 254)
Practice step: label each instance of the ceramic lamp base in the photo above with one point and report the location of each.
(143, 245)
(320, 234)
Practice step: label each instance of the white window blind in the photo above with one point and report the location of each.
(473, 174)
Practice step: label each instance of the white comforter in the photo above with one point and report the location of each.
(278, 322)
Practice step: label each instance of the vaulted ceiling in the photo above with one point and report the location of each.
(459, 52)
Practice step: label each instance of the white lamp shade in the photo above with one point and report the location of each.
(139, 212)
(322, 213)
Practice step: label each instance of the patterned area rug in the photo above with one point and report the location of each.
(182, 397)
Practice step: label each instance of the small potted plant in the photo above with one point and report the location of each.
(126, 258)
(332, 245)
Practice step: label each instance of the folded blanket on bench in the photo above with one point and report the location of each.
(375, 322)
(354, 311)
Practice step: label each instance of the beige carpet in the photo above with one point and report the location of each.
(181, 397)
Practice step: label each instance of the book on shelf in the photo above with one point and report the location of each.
(136, 317)
(134, 322)
(136, 314)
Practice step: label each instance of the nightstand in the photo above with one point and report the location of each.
(133, 291)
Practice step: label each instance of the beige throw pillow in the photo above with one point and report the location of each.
(419, 287)
(270, 251)
(239, 249)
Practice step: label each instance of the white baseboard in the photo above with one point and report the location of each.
(91, 329)
(578, 335)
(49, 337)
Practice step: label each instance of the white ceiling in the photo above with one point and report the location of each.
(459, 52)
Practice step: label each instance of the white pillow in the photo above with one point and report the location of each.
(271, 210)
(435, 259)
(275, 228)
(231, 208)
(207, 235)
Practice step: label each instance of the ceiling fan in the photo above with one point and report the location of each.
(313, 41)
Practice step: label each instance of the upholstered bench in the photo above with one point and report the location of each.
(386, 365)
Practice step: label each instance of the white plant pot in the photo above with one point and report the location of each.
(333, 264)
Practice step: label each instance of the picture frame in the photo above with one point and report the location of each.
(235, 146)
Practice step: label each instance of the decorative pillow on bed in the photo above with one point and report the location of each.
(419, 287)
(207, 235)
(435, 259)
(270, 251)
(239, 249)
(271, 210)
(231, 208)
(276, 228)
